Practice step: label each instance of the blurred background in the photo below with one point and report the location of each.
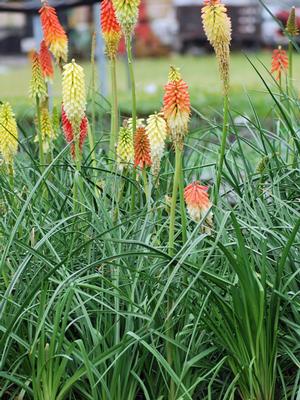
(168, 31)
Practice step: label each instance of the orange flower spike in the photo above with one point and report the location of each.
(280, 62)
(111, 29)
(177, 106)
(142, 153)
(46, 62)
(54, 34)
(197, 200)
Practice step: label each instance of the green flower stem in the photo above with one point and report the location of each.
(177, 177)
(40, 136)
(133, 99)
(178, 156)
(93, 155)
(290, 93)
(92, 132)
(93, 82)
(290, 54)
(114, 110)
(146, 187)
(182, 205)
(132, 81)
(78, 187)
(132, 202)
(223, 148)
(11, 176)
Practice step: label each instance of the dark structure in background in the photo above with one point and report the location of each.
(10, 38)
(32, 6)
(246, 20)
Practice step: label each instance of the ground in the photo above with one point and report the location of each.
(200, 73)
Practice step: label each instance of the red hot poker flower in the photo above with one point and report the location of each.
(280, 62)
(197, 200)
(142, 153)
(54, 34)
(177, 107)
(211, 2)
(111, 29)
(46, 62)
(68, 131)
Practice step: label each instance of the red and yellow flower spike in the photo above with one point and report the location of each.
(38, 87)
(197, 200)
(46, 62)
(111, 29)
(69, 133)
(142, 154)
(177, 106)
(217, 27)
(127, 12)
(54, 34)
(8, 134)
(280, 62)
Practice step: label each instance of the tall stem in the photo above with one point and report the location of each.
(146, 188)
(114, 109)
(40, 136)
(10, 169)
(178, 155)
(92, 132)
(223, 148)
(78, 188)
(177, 177)
(133, 99)
(132, 81)
(93, 155)
(182, 205)
(290, 68)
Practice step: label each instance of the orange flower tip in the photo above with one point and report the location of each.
(109, 21)
(46, 62)
(196, 195)
(280, 62)
(211, 2)
(142, 152)
(197, 200)
(111, 29)
(54, 34)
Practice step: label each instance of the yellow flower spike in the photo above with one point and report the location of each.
(73, 93)
(174, 74)
(125, 149)
(291, 26)
(37, 84)
(157, 132)
(8, 134)
(48, 134)
(127, 12)
(217, 27)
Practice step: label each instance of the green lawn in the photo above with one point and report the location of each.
(151, 74)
